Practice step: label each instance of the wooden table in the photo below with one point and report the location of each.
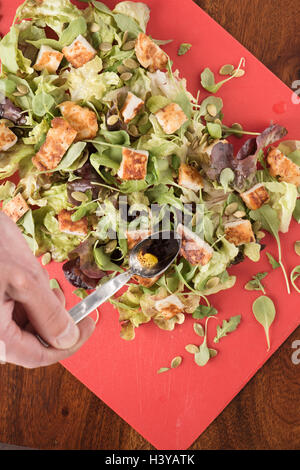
(50, 409)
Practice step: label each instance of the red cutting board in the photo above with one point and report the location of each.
(172, 409)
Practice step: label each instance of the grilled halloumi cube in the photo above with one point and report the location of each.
(255, 197)
(239, 232)
(48, 59)
(134, 164)
(16, 208)
(7, 138)
(83, 120)
(149, 54)
(131, 108)
(282, 166)
(194, 249)
(136, 236)
(58, 140)
(170, 306)
(79, 52)
(171, 118)
(66, 225)
(189, 177)
(146, 282)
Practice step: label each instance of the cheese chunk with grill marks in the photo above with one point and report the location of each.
(170, 306)
(132, 107)
(239, 232)
(171, 118)
(48, 59)
(58, 140)
(16, 208)
(134, 164)
(256, 196)
(7, 138)
(149, 54)
(79, 52)
(282, 166)
(82, 120)
(190, 178)
(195, 250)
(66, 225)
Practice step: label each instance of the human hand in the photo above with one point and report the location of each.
(28, 306)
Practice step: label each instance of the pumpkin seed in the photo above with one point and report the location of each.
(163, 369)
(111, 246)
(79, 196)
(260, 235)
(297, 247)
(191, 129)
(192, 348)
(133, 130)
(203, 139)
(176, 362)
(212, 110)
(213, 352)
(105, 46)
(18, 93)
(218, 121)
(126, 76)
(231, 208)
(94, 28)
(122, 69)
(125, 37)
(128, 46)
(213, 282)
(144, 120)
(189, 136)
(112, 120)
(239, 214)
(23, 89)
(198, 329)
(131, 64)
(226, 69)
(46, 259)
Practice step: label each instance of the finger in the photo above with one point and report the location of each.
(60, 295)
(45, 311)
(24, 349)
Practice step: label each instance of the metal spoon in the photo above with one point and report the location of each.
(164, 245)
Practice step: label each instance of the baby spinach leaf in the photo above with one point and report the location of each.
(296, 213)
(264, 311)
(103, 260)
(77, 27)
(269, 220)
(126, 23)
(208, 79)
(227, 327)
(42, 104)
(83, 210)
(157, 102)
(226, 177)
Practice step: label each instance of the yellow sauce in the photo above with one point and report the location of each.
(147, 260)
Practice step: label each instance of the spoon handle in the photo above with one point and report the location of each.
(101, 294)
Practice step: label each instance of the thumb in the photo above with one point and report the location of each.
(44, 310)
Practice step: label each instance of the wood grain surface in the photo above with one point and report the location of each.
(49, 409)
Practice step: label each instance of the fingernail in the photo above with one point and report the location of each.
(69, 337)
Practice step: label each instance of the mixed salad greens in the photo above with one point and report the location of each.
(82, 209)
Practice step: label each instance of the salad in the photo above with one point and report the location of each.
(110, 147)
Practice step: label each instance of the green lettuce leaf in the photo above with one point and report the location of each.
(283, 197)
(10, 160)
(138, 11)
